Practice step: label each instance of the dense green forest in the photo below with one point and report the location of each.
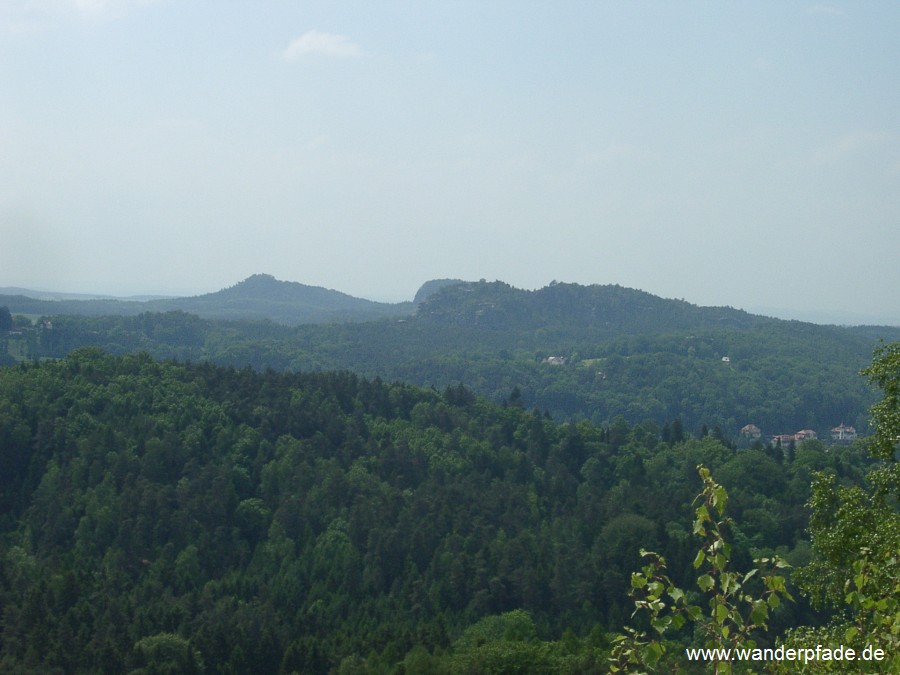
(163, 517)
(463, 489)
(577, 352)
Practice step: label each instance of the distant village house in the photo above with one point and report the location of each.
(843, 433)
(787, 439)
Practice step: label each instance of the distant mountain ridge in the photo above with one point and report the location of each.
(266, 287)
(56, 295)
(592, 352)
(440, 301)
(574, 308)
(259, 297)
(262, 296)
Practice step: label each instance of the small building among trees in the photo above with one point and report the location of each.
(843, 433)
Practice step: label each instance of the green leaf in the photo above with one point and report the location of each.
(702, 515)
(720, 499)
(706, 582)
(661, 624)
(760, 612)
(655, 652)
(725, 582)
(721, 613)
(701, 556)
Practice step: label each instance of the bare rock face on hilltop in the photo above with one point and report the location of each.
(429, 288)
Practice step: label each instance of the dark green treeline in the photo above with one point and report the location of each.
(207, 519)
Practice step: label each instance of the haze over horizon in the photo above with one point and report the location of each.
(741, 155)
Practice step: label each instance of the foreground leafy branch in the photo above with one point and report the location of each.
(734, 612)
(855, 533)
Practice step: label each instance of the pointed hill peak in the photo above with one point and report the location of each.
(267, 287)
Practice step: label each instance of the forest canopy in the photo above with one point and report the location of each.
(212, 517)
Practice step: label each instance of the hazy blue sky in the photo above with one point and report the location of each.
(739, 153)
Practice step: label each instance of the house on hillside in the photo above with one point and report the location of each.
(751, 431)
(800, 436)
(556, 360)
(843, 433)
(783, 439)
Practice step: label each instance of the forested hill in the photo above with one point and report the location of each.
(259, 297)
(574, 310)
(190, 518)
(593, 352)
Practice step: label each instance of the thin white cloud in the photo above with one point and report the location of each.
(90, 6)
(29, 16)
(314, 43)
(829, 10)
(80, 6)
(105, 7)
(18, 17)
